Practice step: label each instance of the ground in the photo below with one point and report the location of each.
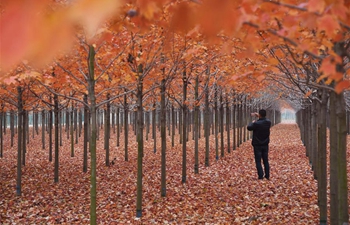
(226, 192)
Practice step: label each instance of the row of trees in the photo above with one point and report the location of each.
(163, 52)
(226, 116)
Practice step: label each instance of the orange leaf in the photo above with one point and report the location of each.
(273, 61)
(328, 67)
(316, 6)
(329, 24)
(341, 86)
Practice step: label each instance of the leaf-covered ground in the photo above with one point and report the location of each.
(227, 192)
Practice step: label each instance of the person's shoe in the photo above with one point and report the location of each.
(267, 178)
(260, 178)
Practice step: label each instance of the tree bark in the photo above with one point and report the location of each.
(322, 157)
(107, 129)
(196, 128)
(92, 96)
(222, 131)
(56, 112)
(184, 127)
(19, 147)
(333, 162)
(206, 126)
(139, 143)
(163, 138)
(126, 129)
(343, 213)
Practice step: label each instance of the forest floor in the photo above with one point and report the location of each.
(226, 192)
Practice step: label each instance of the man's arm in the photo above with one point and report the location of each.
(251, 125)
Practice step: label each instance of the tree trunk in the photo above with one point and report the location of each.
(206, 126)
(333, 162)
(126, 129)
(184, 127)
(76, 125)
(139, 144)
(343, 214)
(19, 147)
(228, 125)
(234, 126)
(173, 125)
(86, 131)
(91, 91)
(118, 126)
(71, 130)
(163, 138)
(107, 129)
(56, 111)
(216, 123)
(322, 157)
(50, 133)
(222, 126)
(154, 128)
(60, 129)
(43, 129)
(313, 128)
(12, 126)
(24, 143)
(196, 128)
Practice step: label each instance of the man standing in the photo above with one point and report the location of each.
(260, 142)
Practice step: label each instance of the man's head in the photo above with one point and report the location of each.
(262, 113)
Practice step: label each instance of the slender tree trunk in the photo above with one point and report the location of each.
(314, 138)
(173, 126)
(43, 129)
(56, 111)
(234, 126)
(86, 136)
(184, 127)
(24, 143)
(107, 130)
(196, 128)
(61, 124)
(216, 123)
(206, 126)
(343, 213)
(139, 144)
(71, 130)
(118, 126)
(163, 138)
(154, 128)
(322, 159)
(12, 126)
(126, 129)
(333, 162)
(50, 133)
(80, 121)
(228, 125)
(222, 126)
(67, 123)
(19, 147)
(76, 125)
(91, 91)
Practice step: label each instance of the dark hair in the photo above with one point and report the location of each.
(262, 112)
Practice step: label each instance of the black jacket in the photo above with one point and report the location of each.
(261, 131)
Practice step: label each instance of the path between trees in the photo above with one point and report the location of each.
(227, 192)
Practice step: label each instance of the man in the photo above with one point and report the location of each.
(260, 142)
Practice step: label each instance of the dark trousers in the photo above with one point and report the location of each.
(262, 152)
